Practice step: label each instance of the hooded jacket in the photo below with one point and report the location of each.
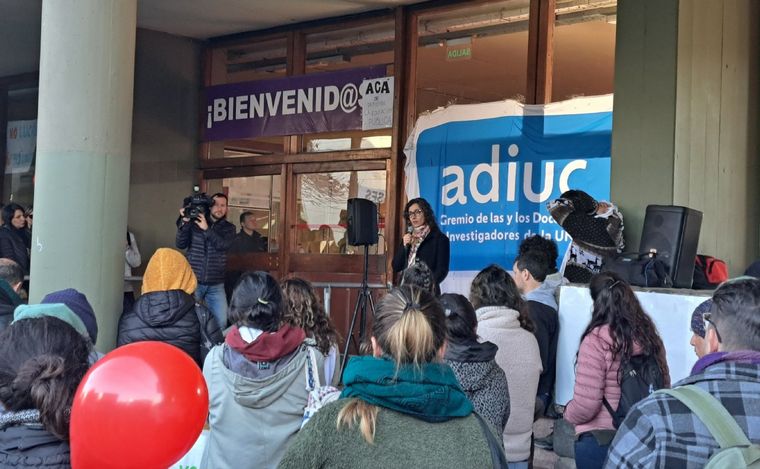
(481, 379)
(520, 359)
(171, 317)
(255, 408)
(25, 443)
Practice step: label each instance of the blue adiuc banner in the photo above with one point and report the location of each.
(489, 170)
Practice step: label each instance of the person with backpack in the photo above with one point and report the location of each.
(257, 380)
(303, 309)
(714, 413)
(621, 359)
(168, 312)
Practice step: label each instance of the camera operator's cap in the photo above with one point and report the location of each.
(54, 310)
(76, 302)
(169, 270)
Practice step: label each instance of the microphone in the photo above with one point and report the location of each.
(409, 230)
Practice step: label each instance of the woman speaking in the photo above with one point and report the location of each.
(423, 241)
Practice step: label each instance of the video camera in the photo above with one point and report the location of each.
(196, 204)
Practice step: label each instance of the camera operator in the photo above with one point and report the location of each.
(207, 242)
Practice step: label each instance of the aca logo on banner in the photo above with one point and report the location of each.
(489, 171)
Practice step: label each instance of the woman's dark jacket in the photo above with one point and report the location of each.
(25, 444)
(13, 247)
(171, 317)
(484, 382)
(434, 251)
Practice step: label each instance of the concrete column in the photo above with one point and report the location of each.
(83, 153)
(644, 114)
(685, 121)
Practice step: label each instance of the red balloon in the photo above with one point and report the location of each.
(142, 405)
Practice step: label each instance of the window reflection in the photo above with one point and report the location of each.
(322, 214)
(259, 195)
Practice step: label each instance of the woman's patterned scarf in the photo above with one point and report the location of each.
(418, 235)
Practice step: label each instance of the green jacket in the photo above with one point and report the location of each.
(401, 441)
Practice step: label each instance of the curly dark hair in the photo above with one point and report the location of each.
(541, 244)
(303, 309)
(616, 305)
(419, 275)
(427, 210)
(42, 361)
(493, 286)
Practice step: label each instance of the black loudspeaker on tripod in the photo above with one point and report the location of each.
(674, 232)
(361, 231)
(362, 222)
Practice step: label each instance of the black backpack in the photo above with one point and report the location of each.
(641, 270)
(640, 377)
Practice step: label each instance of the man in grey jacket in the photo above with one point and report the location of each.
(530, 271)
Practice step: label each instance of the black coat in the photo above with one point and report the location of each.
(30, 445)
(169, 316)
(13, 246)
(546, 320)
(245, 243)
(434, 251)
(206, 250)
(8, 302)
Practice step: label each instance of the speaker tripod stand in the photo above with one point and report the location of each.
(363, 300)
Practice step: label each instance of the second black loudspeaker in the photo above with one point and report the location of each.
(674, 232)
(362, 222)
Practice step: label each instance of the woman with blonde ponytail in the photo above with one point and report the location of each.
(402, 406)
(42, 361)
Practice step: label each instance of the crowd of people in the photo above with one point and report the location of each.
(447, 381)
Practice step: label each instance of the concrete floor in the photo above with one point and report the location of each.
(543, 459)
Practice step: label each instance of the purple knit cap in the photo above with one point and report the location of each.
(78, 303)
(697, 320)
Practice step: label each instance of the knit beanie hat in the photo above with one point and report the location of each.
(753, 270)
(77, 303)
(168, 270)
(697, 321)
(55, 310)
